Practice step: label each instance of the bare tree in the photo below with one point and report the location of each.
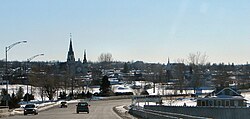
(105, 60)
(196, 62)
(197, 58)
(105, 57)
(180, 60)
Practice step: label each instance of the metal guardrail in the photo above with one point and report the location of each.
(166, 114)
(146, 114)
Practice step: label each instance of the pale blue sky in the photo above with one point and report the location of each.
(147, 30)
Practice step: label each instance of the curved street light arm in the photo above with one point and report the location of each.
(34, 57)
(12, 45)
(28, 60)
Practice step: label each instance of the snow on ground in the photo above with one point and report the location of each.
(159, 90)
(122, 89)
(35, 91)
(180, 102)
(246, 95)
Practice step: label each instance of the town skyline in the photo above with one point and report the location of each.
(149, 31)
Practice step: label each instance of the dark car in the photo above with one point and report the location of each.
(30, 109)
(82, 107)
(64, 104)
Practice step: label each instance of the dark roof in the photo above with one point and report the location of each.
(225, 93)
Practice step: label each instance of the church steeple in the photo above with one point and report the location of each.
(85, 57)
(71, 56)
(168, 65)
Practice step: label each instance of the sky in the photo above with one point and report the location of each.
(131, 30)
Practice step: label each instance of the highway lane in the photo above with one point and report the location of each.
(98, 110)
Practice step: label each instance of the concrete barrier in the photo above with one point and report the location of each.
(153, 114)
(207, 112)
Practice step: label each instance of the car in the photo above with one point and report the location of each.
(30, 109)
(82, 107)
(64, 104)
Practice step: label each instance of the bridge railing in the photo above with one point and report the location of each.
(148, 114)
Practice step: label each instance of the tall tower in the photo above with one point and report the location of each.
(85, 57)
(71, 56)
(168, 65)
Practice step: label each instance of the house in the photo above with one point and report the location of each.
(227, 97)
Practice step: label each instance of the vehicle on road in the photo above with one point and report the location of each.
(30, 109)
(64, 104)
(82, 107)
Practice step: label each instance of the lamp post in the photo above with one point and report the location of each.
(6, 64)
(28, 60)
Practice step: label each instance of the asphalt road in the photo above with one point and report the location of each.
(98, 110)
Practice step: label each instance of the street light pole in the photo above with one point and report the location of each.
(28, 60)
(6, 65)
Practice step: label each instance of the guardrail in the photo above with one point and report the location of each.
(148, 114)
(142, 113)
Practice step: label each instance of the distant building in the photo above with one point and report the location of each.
(226, 97)
(76, 69)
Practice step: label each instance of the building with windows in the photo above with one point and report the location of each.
(227, 97)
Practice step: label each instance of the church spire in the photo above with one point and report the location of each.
(85, 57)
(71, 56)
(168, 65)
